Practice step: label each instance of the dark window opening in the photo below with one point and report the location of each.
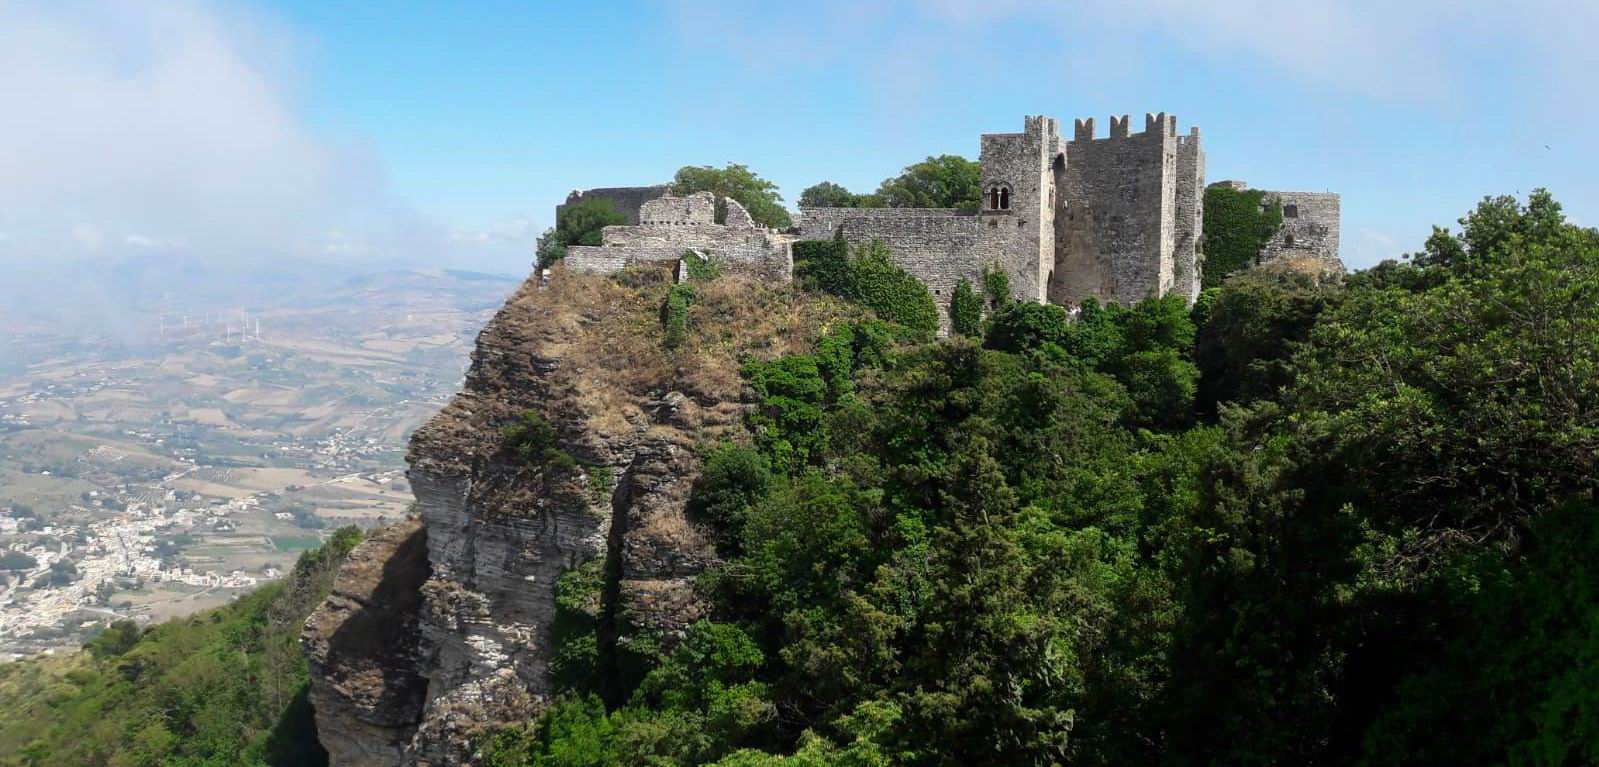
(993, 198)
(1289, 241)
(1290, 211)
(1004, 199)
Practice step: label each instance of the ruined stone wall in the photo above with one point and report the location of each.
(627, 199)
(1119, 204)
(671, 225)
(1312, 232)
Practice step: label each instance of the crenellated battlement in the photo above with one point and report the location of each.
(1156, 124)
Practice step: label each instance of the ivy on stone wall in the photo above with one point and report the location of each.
(966, 310)
(868, 277)
(1238, 223)
(822, 265)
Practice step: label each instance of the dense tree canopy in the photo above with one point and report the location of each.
(756, 194)
(1303, 523)
(945, 181)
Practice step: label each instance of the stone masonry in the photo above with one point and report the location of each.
(1309, 230)
(1115, 218)
(669, 226)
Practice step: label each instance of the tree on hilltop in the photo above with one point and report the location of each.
(945, 181)
(758, 195)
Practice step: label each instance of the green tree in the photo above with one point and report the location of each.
(945, 181)
(737, 182)
(827, 195)
(580, 223)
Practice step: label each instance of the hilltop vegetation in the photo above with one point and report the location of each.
(223, 687)
(1301, 523)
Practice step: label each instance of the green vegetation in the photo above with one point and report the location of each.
(578, 224)
(12, 560)
(533, 440)
(756, 194)
(222, 687)
(1237, 225)
(965, 310)
(700, 269)
(945, 181)
(869, 277)
(674, 314)
(1304, 523)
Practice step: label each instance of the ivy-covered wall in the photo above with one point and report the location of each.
(1238, 223)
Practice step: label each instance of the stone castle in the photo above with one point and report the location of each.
(1115, 218)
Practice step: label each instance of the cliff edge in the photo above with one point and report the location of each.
(475, 574)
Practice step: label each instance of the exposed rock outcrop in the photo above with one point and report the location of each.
(364, 649)
(587, 354)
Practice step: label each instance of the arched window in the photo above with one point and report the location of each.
(993, 198)
(1004, 199)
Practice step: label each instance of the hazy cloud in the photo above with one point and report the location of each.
(127, 119)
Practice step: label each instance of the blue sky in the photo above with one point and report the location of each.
(445, 133)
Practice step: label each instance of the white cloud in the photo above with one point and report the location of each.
(123, 119)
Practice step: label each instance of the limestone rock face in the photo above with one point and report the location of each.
(586, 353)
(364, 650)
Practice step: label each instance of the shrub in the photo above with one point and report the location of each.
(674, 314)
(699, 268)
(602, 480)
(534, 440)
(996, 288)
(580, 223)
(966, 310)
(879, 284)
(823, 265)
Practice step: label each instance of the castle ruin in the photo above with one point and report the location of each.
(1115, 218)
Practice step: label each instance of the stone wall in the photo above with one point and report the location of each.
(1120, 233)
(1311, 232)
(627, 199)
(669, 226)
(1187, 259)
(939, 246)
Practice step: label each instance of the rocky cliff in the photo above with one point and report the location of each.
(442, 628)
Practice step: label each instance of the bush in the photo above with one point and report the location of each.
(674, 314)
(879, 284)
(996, 288)
(966, 310)
(532, 439)
(698, 268)
(580, 223)
(823, 265)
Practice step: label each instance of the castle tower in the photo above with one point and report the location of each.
(1130, 217)
(1017, 212)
